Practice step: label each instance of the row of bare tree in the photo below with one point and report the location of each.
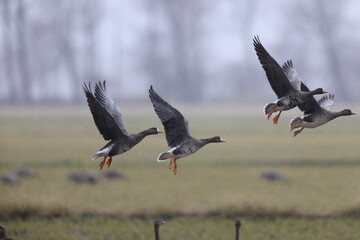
(48, 48)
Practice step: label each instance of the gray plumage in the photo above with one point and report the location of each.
(316, 113)
(109, 121)
(287, 90)
(177, 132)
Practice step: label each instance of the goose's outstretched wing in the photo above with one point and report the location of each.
(104, 121)
(274, 73)
(292, 75)
(176, 126)
(327, 102)
(103, 97)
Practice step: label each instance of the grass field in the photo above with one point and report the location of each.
(320, 198)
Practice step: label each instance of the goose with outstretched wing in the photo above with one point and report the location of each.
(316, 113)
(108, 119)
(289, 93)
(177, 132)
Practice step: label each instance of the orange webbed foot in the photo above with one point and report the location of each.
(276, 119)
(175, 167)
(171, 162)
(297, 132)
(108, 163)
(272, 111)
(296, 125)
(102, 163)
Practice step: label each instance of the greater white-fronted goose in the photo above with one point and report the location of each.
(177, 132)
(108, 120)
(289, 93)
(316, 113)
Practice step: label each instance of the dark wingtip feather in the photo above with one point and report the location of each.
(287, 66)
(256, 40)
(86, 88)
(101, 85)
(152, 92)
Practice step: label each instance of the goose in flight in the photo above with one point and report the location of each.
(316, 113)
(108, 119)
(177, 132)
(288, 92)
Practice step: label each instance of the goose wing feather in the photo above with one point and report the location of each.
(103, 97)
(104, 121)
(292, 75)
(275, 75)
(327, 102)
(176, 126)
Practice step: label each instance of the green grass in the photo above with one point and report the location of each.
(184, 228)
(319, 200)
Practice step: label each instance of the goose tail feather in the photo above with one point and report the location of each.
(268, 107)
(163, 157)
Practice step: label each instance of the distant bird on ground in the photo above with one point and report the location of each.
(108, 120)
(84, 177)
(24, 173)
(316, 113)
(157, 224)
(272, 176)
(237, 229)
(288, 92)
(3, 234)
(177, 132)
(9, 179)
(114, 175)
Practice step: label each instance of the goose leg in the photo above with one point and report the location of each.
(276, 119)
(101, 165)
(108, 163)
(175, 167)
(272, 111)
(296, 125)
(171, 161)
(297, 132)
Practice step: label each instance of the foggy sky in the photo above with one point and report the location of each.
(218, 36)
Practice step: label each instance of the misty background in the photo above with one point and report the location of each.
(190, 50)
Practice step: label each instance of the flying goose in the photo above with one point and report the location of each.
(108, 120)
(316, 113)
(177, 132)
(288, 92)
